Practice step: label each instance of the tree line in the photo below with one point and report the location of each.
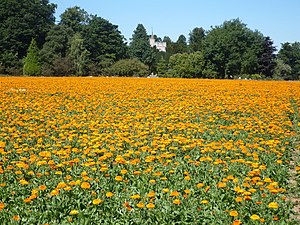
(31, 43)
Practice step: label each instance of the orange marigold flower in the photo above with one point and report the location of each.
(85, 185)
(176, 201)
(233, 213)
(150, 206)
(42, 187)
(140, 205)
(127, 205)
(2, 205)
(236, 222)
(174, 193)
(54, 192)
(16, 218)
(200, 185)
(238, 199)
(151, 194)
(221, 184)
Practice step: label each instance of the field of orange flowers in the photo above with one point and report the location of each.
(146, 151)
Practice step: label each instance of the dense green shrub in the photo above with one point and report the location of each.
(127, 68)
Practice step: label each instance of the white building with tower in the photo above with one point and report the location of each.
(161, 46)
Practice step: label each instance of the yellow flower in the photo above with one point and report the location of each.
(238, 199)
(118, 178)
(273, 205)
(165, 190)
(187, 178)
(109, 194)
(2, 144)
(221, 185)
(74, 212)
(23, 182)
(97, 201)
(140, 205)
(123, 171)
(254, 217)
(54, 192)
(85, 185)
(150, 206)
(200, 185)
(151, 194)
(176, 201)
(136, 196)
(233, 213)
(204, 201)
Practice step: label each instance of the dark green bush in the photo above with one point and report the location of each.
(127, 68)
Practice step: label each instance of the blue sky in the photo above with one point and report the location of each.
(279, 19)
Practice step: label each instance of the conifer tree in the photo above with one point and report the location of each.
(32, 66)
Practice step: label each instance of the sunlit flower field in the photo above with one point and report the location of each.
(146, 151)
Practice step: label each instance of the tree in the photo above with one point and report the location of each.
(74, 18)
(180, 45)
(22, 20)
(79, 55)
(32, 66)
(162, 67)
(266, 61)
(196, 37)
(103, 40)
(56, 44)
(186, 65)
(290, 55)
(140, 47)
(233, 49)
(282, 70)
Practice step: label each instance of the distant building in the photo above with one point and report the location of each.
(161, 46)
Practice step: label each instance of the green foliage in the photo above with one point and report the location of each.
(74, 18)
(282, 70)
(162, 67)
(55, 47)
(79, 55)
(186, 65)
(140, 47)
(196, 37)
(10, 63)
(127, 68)
(32, 66)
(101, 38)
(290, 55)
(181, 45)
(22, 20)
(266, 60)
(233, 49)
